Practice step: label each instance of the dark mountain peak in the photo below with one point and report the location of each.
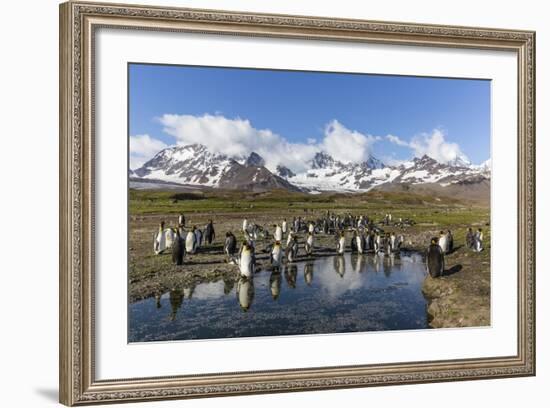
(373, 163)
(424, 161)
(322, 160)
(254, 160)
(250, 178)
(285, 172)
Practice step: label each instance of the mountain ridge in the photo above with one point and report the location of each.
(195, 165)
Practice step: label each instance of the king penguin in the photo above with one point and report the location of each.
(292, 250)
(360, 243)
(278, 233)
(435, 262)
(276, 255)
(191, 242)
(443, 242)
(246, 264)
(309, 243)
(230, 245)
(341, 245)
(178, 249)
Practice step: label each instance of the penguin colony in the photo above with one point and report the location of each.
(360, 232)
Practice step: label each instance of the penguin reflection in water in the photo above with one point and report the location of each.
(245, 293)
(291, 272)
(435, 261)
(339, 264)
(308, 273)
(275, 281)
(176, 299)
(357, 262)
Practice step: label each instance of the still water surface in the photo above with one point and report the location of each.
(338, 294)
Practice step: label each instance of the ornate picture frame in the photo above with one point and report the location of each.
(78, 24)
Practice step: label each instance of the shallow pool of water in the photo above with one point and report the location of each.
(337, 294)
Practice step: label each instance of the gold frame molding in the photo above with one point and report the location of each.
(78, 22)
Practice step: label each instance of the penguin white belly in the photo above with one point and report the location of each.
(160, 243)
(478, 246)
(341, 245)
(290, 253)
(311, 228)
(359, 241)
(169, 237)
(310, 241)
(443, 243)
(276, 257)
(246, 264)
(278, 233)
(190, 242)
(284, 228)
(289, 239)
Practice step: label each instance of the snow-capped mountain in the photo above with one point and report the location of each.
(195, 165)
(191, 164)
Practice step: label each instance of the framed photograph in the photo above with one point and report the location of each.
(256, 203)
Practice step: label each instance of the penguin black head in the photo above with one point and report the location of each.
(434, 241)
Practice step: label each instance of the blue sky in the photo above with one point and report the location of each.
(353, 115)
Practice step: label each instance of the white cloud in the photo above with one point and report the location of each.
(238, 138)
(435, 146)
(143, 148)
(396, 140)
(347, 145)
(431, 144)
